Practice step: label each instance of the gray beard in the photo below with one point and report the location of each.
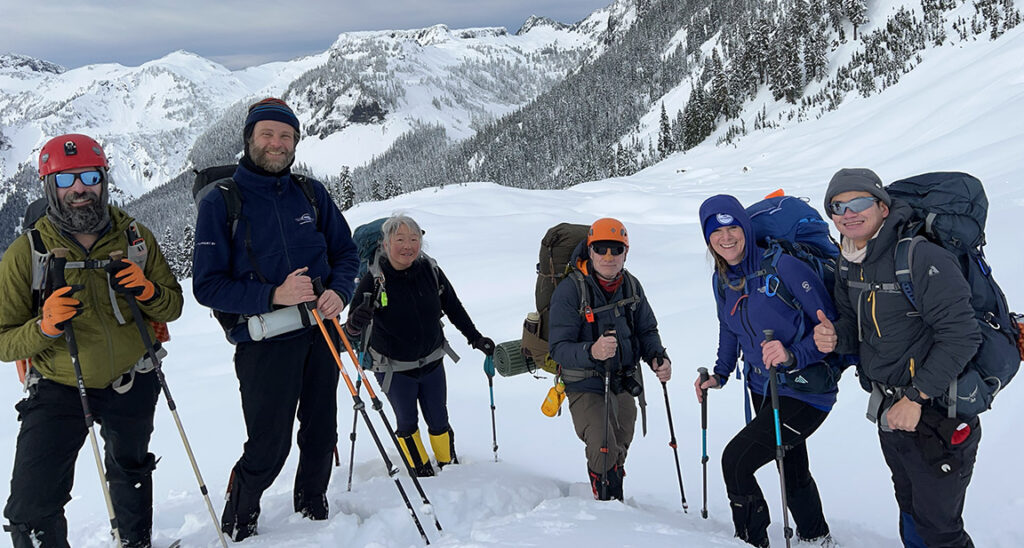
(84, 219)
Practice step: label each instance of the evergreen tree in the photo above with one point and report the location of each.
(347, 197)
(188, 242)
(665, 145)
(391, 188)
(856, 12)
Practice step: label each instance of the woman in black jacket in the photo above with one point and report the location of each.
(397, 309)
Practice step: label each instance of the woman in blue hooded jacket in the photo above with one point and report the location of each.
(748, 304)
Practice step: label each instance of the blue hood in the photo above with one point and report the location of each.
(724, 203)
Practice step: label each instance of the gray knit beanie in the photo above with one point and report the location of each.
(859, 179)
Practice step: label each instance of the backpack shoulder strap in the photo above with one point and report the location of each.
(40, 263)
(904, 261)
(232, 202)
(307, 189)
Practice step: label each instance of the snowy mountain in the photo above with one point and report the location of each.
(161, 119)
(950, 113)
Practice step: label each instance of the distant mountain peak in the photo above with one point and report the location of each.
(19, 63)
(536, 21)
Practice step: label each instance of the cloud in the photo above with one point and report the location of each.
(239, 33)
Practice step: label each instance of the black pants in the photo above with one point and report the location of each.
(752, 448)
(931, 502)
(52, 433)
(276, 378)
(426, 388)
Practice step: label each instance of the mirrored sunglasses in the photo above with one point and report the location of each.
(604, 247)
(88, 178)
(856, 205)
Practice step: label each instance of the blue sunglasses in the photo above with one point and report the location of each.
(855, 205)
(88, 178)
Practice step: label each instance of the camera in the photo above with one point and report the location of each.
(630, 385)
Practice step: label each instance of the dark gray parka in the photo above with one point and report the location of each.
(898, 344)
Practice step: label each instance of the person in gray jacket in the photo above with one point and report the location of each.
(908, 355)
(601, 327)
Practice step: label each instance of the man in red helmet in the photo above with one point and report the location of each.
(115, 370)
(601, 327)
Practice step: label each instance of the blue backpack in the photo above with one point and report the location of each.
(789, 225)
(950, 210)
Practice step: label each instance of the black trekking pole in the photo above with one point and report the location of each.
(359, 381)
(158, 369)
(318, 288)
(57, 280)
(379, 407)
(607, 409)
(703, 372)
(675, 449)
(489, 371)
(780, 450)
(360, 408)
(352, 437)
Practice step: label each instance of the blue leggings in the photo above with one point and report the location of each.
(427, 386)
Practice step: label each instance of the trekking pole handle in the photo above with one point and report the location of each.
(116, 256)
(60, 258)
(769, 335)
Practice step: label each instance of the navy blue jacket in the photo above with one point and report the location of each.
(571, 336)
(744, 314)
(285, 237)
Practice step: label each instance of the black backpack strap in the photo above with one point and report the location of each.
(233, 203)
(40, 264)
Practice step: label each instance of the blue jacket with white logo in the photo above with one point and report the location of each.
(283, 230)
(744, 313)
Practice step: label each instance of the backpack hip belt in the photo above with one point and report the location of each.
(388, 366)
(146, 364)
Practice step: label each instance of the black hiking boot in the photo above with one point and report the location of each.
(750, 518)
(313, 507)
(611, 491)
(48, 532)
(241, 512)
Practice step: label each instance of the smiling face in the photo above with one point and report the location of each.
(83, 205)
(272, 145)
(860, 226)
(729, 243)
(403, 247)
(608, 266)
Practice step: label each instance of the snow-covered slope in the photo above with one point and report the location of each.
(956, 111)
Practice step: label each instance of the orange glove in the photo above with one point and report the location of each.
(58, 308)
(128, 278)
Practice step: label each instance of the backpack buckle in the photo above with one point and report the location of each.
(588, 313)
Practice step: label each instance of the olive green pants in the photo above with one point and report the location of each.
(588, 417)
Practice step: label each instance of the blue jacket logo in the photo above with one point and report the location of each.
(304, 219)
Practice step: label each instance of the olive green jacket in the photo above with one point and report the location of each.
(106, 350)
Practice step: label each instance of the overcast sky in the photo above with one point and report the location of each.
(237, 33)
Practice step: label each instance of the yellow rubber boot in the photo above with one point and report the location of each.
(443, 445)
(415, 454)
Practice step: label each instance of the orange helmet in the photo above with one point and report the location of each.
(70, 151)
(607, 230)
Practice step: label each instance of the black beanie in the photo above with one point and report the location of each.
(856, 179)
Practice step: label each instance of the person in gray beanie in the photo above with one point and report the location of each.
(856, 178)
(908, 354)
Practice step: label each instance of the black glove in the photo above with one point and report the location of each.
(484, 345)
(359, 318)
